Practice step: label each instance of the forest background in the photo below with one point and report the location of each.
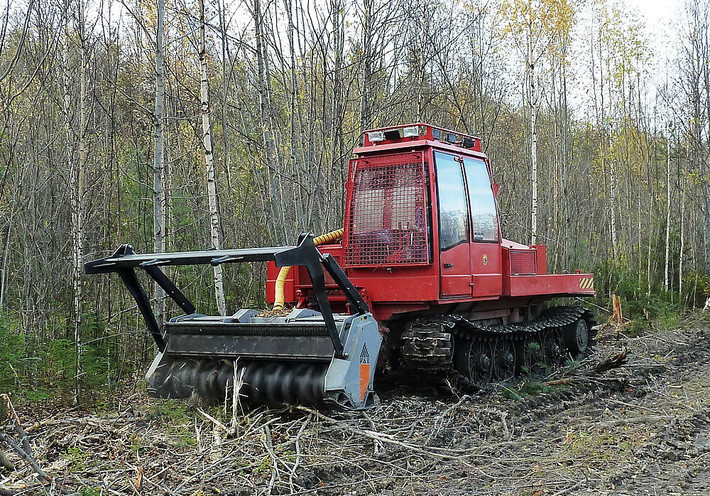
(181, 125)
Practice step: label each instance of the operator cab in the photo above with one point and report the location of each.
(405, 184)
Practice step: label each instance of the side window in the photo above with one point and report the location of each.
(483, 206)
(453, 218)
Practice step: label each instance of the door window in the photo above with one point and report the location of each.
(453, 218)
(484, 218)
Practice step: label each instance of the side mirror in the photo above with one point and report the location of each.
(496, 189)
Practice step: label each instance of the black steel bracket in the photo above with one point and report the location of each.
(125, 260)
(306, 254)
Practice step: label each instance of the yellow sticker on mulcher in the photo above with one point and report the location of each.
(586, 282)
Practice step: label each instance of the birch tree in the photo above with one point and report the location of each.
(75, 164)
(158, 154)
(693, 84)
(535, 22)
(264, 88)
(209, 163)
(668, 213)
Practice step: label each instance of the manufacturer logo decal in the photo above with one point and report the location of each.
(364, 355)
(485, 259)
(364, 371)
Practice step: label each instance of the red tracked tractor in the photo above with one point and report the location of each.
(420, 262)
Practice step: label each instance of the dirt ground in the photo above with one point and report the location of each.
(639, 429)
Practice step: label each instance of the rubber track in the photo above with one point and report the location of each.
(429, 344)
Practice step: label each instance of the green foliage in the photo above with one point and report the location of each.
(572, 363)
(533, 388)
(651, 306)
(696, 287)
(525, 389)
(636, 301)
(511, 394)
(11, 354)
(45, 370)
(37, 395)
(58, 363)
(77, 458)
(170, 410)
(177, 413)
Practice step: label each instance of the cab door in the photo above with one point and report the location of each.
(454, 245)
(485, 251)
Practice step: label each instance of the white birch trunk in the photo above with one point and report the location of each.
(533, 146)
(705, 49)
(668, 212)
(3, 270)
(159, 158)
(78, 209)
(565, 163)
(648, 262)
(682, 244)
(612, 206)
(648, 252)
(225, 85)
(209, 162)
(365, 119)
(706, 217)
(76, 179)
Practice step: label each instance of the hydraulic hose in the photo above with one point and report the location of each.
(283, 273)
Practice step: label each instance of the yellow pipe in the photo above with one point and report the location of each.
(283, 273)
(329, 237)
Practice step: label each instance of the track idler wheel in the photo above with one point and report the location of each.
(474, 360)
(576, 337)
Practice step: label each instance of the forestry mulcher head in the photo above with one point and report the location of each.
(306, 357)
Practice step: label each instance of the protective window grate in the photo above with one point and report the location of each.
(523, 262)
(387, 218)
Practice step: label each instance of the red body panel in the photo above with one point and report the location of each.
(456, 271)
(397, 285)
(390, 249)
(550, 284)
(487, 276)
